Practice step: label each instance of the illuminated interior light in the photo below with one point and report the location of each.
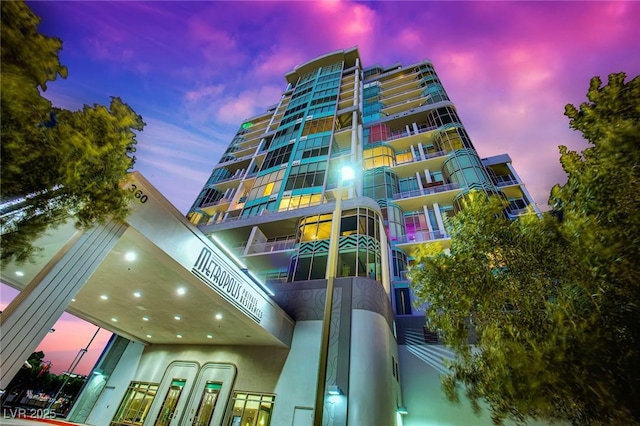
(20, 273)
(179, 336)
(177, 317)
(149, 336)
(181, 291)
(145, 318)
(209, 336)
(130, 256)
(218, 316)
(104, 297)
(114, 319)
(137, 294)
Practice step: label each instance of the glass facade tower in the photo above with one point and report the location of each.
(271, 196)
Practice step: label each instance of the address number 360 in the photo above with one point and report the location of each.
(137, 193)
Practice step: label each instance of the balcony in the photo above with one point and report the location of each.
(272, 246)
(505, 180)
(426, 191)
(421, 236)
(426, 157)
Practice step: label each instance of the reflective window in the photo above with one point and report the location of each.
(251, 409)
(135, 404)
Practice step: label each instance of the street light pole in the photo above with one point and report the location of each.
(332, 266)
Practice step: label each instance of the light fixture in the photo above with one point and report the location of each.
(218, 316)
(403, 410)
(145, 318)
(114, 319)
(104, 297)
(130, 256)
(177, 317)
(334, 390)
(209, 336)
(181, 291)
(20, 273)
(179, 336)
(137, 294)
(149, 336)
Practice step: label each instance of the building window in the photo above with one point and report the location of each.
(135, 404)
(318, 126)
(251, 409)
(403, 301)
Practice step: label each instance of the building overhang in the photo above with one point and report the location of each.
(164, 282)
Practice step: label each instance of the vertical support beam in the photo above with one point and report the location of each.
(30, 316)
(427, 176)
(421, 150)
(419, 178)
(436, 210)
(415, 128)
(429, 225)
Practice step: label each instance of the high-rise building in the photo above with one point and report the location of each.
(272, 196)
(290, 304)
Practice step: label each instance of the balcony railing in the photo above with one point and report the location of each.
(403, 133)
(426, 191)
(421, 236)
(426, 157)
(505, 180)
(271, 246)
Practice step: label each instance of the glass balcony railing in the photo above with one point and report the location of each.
(426, 157)
(421, 236)
(426, 191)
(505, 180)
(271, 246)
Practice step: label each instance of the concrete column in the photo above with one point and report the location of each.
(421, 150)
(427, 176)
(436, 210)
(30, 316)
(426, 214)
(419, 178)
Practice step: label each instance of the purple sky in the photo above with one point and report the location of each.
(196, 70)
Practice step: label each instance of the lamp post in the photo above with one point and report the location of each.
(332, 266)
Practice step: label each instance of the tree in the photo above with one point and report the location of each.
(553, 303)
(55, 162)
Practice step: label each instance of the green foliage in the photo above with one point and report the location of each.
(55, 162)
(552, 303)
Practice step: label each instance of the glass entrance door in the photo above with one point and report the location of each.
(170, 402)
(207, 404)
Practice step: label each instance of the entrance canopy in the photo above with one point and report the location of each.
(164, 282)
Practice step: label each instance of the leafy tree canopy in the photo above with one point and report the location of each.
(55, 162)
(551, 303)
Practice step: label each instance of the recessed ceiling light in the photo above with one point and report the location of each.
(137, 294)
(73, 300)
(149, 336)
(130, 256)
(209, 336)
(218, 316)
(20, 273)
(179, 336)
(181, 291)
(145, 318)
(177, 317)
(104, 297)
(114, 319)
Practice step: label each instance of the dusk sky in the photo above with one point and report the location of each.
(196, 70)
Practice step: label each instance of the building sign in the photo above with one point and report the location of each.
(210, 269)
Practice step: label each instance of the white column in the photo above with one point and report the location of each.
(427, 175)
(436, 210)
(413, 153)
(408, 129)
(421, 150)
(415, 128)
(30, 316)
(419, 179)
(426, 213)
